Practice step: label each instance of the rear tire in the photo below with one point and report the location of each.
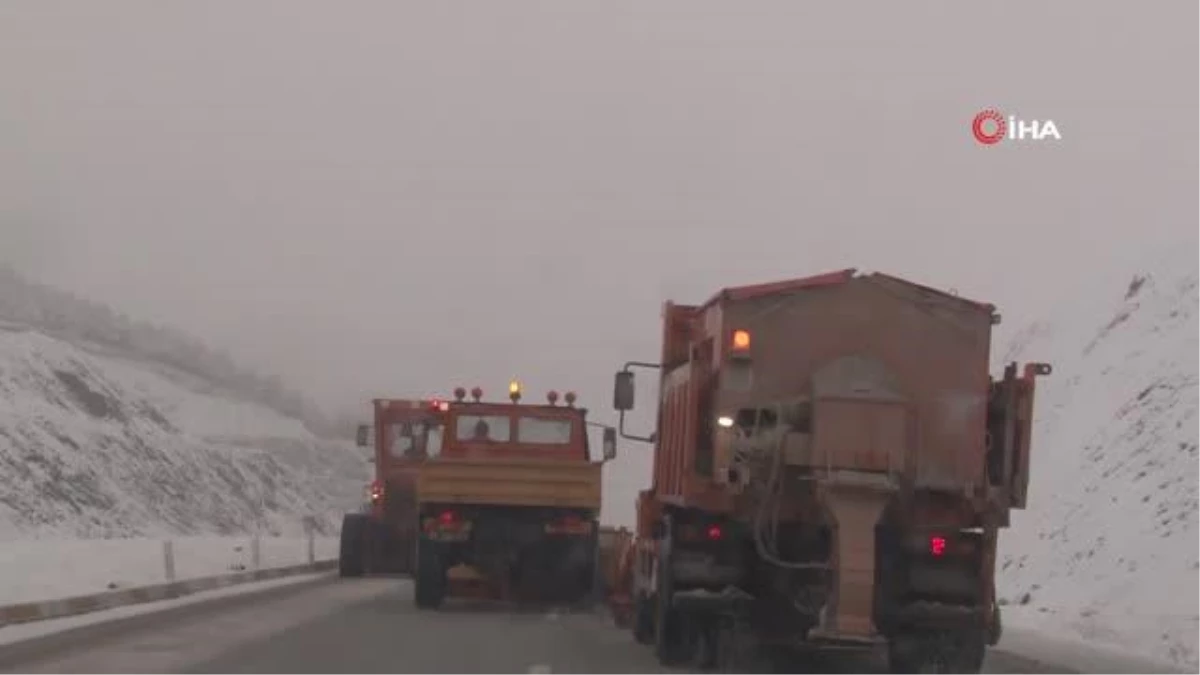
(643, 620)
(352, 549)
(670, 645)
(997, 629)
(429, 585)
(594, 590)
(937, 653)
(703, 641)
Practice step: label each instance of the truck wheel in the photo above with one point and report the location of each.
(430, 582)
(597, 583)
(996, 629)
(962, 653)
(643, 620)
(669, 644)
(669, 639)
(351, 547)
(703, 640)
(370, 547)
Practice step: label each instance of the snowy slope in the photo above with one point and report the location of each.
(93, 445)
(1107, 550)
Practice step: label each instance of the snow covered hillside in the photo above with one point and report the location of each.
(1107, 550)
(96, 445)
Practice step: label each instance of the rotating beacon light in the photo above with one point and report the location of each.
(740, 342)
(514, 391)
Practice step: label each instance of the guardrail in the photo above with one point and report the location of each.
(95, 602)
(52, 578)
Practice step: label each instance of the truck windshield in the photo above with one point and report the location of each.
(543, 431)
(494, 428)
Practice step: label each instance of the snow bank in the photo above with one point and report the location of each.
(1107, 550)
(48, 569)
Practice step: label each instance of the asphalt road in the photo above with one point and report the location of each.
(363, 626)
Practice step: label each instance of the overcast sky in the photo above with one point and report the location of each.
(376, 198)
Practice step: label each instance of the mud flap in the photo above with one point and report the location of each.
(352, 545)
(429, 587)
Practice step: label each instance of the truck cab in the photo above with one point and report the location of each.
(381, 537)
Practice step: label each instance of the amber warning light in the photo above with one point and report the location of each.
(741, 340)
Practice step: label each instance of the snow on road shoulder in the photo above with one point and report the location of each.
(1054, 649)
(48, 569)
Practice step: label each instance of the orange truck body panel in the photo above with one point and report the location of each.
(510, 482)
(932, 348)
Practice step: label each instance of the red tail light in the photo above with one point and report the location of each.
(447, 526)
(937, 546)
(714, 532)
(570, 524)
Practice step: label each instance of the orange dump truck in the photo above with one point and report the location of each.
(832, 463)
(508, 504)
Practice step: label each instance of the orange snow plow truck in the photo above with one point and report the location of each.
(832, 464)
(483, 499)
(381, 537)
(508, 506)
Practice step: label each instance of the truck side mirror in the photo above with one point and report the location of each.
(364, 432)
(609, 443)
(623, 391)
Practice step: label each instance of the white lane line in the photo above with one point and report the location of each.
(539, 668)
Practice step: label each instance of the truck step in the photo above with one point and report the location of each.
(931, 612)
(728, 599)
(828, 639)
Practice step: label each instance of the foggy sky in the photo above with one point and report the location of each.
(395, 198)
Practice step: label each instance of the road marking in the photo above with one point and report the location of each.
(539, 668)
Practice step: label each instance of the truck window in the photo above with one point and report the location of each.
(433, 442)
(494, 428)
(401, 440)
(544, 431)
